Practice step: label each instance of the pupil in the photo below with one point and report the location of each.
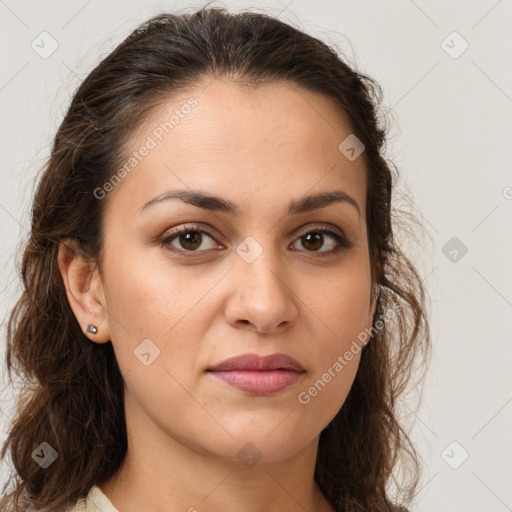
(194, 239)
(317, 240)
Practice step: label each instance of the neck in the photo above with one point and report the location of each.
(160, 473)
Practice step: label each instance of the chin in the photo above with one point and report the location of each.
(264, 442)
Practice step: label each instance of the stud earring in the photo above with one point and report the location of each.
(92, 329)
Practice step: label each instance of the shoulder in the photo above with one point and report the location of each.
(94, 501)
(80, 506)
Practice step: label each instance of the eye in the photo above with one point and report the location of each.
(189, 237)
(314, 239)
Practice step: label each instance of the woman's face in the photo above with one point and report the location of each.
(258, 280)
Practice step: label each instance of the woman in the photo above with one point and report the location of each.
(216, 315)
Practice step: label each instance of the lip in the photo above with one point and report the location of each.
(258, 375)
(258, 363)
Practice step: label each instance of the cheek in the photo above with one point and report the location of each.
(153, 299)
(336, 353)
(150, 294)
(341, 316)
(324, 395)
(340, 301)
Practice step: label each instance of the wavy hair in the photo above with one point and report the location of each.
(72, 393)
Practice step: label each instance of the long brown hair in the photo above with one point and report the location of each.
(72, 395)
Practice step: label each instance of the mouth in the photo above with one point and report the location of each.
(258, 375)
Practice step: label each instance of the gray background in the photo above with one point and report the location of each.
(450, 137)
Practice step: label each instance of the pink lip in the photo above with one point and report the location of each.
(259, 375)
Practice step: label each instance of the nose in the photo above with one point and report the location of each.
(263, 299)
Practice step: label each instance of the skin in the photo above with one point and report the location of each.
(260, 149)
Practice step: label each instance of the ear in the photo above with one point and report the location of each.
(84, 289)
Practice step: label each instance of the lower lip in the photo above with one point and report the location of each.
(259, 382)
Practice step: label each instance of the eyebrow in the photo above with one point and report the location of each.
(210, 202)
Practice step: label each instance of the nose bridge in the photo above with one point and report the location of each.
(259, 263)
(261, 294)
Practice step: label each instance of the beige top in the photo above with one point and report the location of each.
(95, 501)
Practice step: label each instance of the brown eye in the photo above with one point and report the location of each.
(189, 239)
(314, 240)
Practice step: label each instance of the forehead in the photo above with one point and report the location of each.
(277, 139)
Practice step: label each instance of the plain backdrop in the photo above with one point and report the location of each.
(447, 80)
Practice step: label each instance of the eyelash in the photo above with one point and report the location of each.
(341, 241)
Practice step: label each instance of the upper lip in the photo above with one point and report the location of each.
(256, 362)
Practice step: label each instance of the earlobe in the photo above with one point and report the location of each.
(84, 290)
